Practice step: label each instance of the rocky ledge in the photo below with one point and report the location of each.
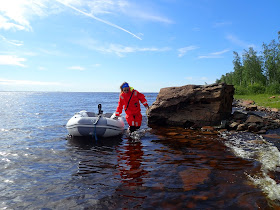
(247, 116)
(210, 108)
(192, 105)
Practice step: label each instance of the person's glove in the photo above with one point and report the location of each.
(114, 116)
(147, 109)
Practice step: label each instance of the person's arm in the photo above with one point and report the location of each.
(143, 100)
(120, 107)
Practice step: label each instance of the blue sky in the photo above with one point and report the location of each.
(95, 45)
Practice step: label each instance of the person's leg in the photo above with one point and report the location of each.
(134, 121)
(138, 120)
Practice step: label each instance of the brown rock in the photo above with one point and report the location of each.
(273, 136)
(193, 177)
(256, 141)
(247, 102)
(262, 131)
(207, 128)
(192, 105)
(172, 134)
(251, 108)
(253, 127)
(234, 125)
(261, 108)
(241, 127)
(276, 121)
(254, 119)
(274, 109)
(239, 115)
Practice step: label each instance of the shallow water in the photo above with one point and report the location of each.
(155, 168)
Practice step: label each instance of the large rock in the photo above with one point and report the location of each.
(192, 105)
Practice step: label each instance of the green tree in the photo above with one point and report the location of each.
(238, 70)
(253, 71)
(271, 55)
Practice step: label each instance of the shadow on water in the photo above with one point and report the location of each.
(88, 142)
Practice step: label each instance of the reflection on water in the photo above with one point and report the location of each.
(159, 168)
(168, 168)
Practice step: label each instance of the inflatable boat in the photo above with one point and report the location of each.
(102, 125)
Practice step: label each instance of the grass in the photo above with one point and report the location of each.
(262, 100)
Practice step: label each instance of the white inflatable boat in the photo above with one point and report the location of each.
(86, 123)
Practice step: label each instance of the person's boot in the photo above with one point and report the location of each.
(133, 128)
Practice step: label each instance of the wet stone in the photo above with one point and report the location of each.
(253, 127)
(273, 136)
(254, 119)
(207, 128)
(251, 108)
(172, 134)
(192, 177)
(239, 115)
(233, 125)
(274, 109)
(247, 102)
(241, 127)
(261, 131)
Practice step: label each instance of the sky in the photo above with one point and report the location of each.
(96, 45)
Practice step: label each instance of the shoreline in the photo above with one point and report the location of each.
(250, 117)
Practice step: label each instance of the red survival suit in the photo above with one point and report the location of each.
(130, 102)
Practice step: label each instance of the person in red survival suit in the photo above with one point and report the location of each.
(129, 100)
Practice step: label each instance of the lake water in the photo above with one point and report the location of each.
(158, 168)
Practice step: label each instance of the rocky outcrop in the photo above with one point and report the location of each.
(192, 105)
(252, 118)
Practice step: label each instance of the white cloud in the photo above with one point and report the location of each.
(96, 18)
(13, 42)
(18, 14)
(221, 24)
(139, 11)
(147, 12)
(151, 17)
(53, 52)
(6, 25)
(11, 60)
(184, 50)
(26, 82)
(117, 49)
(214, 54)
(77, 68)
(120, 50)
(235, 40)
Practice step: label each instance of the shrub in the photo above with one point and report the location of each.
(256, 89)
(273, 89)
(240, 90)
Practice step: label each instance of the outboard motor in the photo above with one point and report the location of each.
(100, 112)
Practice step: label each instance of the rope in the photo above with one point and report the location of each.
(95, 136)
(95, 123)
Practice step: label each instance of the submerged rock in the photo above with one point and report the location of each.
(192, 105)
